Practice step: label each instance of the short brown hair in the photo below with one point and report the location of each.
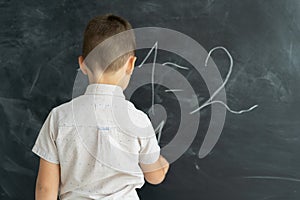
(101, 28)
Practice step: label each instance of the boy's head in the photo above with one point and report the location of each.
(97, 63)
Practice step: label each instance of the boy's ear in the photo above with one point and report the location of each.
(82, 65)
(131, 62)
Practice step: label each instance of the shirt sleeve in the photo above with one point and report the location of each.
(45, 146)
(149, 148)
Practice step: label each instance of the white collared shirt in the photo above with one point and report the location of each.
(98, 139)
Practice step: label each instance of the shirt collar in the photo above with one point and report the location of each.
(104, 89)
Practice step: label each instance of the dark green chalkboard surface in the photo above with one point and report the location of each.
(257, 156)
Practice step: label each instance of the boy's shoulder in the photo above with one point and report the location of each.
(136, 121)
(61, 113)
(135, 110)
(64, 113)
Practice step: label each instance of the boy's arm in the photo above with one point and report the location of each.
(155, 173)
(48, 179)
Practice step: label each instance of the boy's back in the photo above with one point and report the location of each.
(98, 156)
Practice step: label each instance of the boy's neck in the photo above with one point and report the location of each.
(108, 78)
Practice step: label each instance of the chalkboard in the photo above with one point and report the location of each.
(257, 154)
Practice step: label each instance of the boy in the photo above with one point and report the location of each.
(78, 159)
